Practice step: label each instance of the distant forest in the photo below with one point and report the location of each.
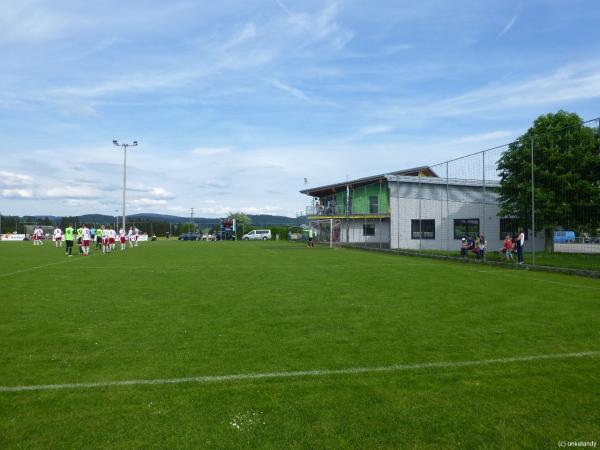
(158, 224)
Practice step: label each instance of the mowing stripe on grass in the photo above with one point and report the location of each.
(559, 283)
(29, 269)
(298, 374)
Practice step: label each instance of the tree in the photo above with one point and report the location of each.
(242, 223)
(187, 227)
(566, 172)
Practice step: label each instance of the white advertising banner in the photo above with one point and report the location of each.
(12, 237)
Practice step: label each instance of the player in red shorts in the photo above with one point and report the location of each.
(111, 238)
(105, 245)
(58, 237)
(122, 239)
(86, 237)
(38, 235)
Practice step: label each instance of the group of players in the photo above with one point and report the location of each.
(105, 238)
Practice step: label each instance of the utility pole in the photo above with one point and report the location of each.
(192, 220)
(124, 146)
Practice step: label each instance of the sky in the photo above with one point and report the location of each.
(235, 103)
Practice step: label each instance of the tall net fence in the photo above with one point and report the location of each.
(534, 201)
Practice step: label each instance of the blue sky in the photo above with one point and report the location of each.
(234, 103)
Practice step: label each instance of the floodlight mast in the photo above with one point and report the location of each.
(124, 146)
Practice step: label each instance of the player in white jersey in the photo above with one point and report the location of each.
(122, 239)
(86, 237)
(131, 237)
(112, 236)
(58, 237)
(105, 246)
(38, 236)
(136, 232)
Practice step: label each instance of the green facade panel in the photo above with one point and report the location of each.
(370, 199)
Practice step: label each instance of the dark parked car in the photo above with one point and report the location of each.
(190, 236)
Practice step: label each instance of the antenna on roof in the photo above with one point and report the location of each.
(305, 181)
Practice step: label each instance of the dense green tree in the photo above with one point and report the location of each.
(566, 171)
(66, 220)
(243, 223)
(9, 224)
(186, 227)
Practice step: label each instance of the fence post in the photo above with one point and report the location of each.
(532, 206)
(420, 220)
(447, 213)
(378, 213)
(397, 210)
(330, 233)
(484, 218)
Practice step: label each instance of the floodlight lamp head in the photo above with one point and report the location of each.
(135, 143)
(115, 142)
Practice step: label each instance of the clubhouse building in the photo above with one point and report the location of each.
(410, 209)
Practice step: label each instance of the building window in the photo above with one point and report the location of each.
(368, 230)
(510, 226)
(464, 227)
(373, 204)
(422, 229)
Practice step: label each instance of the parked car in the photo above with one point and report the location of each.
(257, 235)
(190, 236)
(587, 239)
(564, 237)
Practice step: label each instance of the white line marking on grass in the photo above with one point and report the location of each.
(300, 374)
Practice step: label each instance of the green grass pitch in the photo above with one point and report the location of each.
(170, 310)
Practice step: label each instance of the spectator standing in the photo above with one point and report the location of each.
(464, 247)
(520, 245)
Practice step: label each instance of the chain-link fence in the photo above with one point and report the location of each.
(535, 201)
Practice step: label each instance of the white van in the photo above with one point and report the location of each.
(257, 235)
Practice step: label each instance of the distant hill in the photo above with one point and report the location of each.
(259, 219)
(96, 218)
(266, 219)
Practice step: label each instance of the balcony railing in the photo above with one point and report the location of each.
(339, 210)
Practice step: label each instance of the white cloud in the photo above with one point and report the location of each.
(30, 21)
(375, 129)
(73, 192)
(571, 83)
(247, 33)
(255, 46)
(294, 92)
(16, 193)
(161, 193)
(151, 202)
(284, 8)
(510, 24)
(13, 179)
(482, 137)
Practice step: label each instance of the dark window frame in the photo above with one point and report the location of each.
(467, 225)
(368, 227)
(418, 232)
(373, 206)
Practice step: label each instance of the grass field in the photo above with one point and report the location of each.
(580, 261)
(171, 310)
